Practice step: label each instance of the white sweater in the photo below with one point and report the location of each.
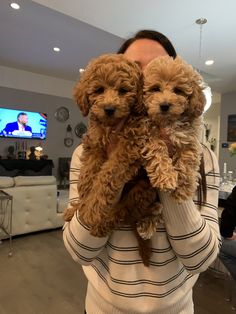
(185, 245)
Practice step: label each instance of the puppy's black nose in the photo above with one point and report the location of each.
(164, 107)
(109, 111)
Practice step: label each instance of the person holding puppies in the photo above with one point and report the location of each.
(227, 229)
(185, 243)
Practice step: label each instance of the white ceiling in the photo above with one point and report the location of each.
(87, 28)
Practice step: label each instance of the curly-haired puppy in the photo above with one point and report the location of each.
(110, 91)
(175, 102)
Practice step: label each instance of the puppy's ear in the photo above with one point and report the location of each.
(197, 101)
(81, 97)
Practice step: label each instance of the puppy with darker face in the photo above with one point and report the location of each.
(174, 100)
(110, 90)
(110, 93)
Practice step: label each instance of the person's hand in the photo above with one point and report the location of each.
(233, 237)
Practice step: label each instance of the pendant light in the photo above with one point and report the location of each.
(207, 90)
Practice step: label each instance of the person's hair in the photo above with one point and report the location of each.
(153, 35)
(167, 45)
(21, 114)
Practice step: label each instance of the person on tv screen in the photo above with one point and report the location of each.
(19, 127)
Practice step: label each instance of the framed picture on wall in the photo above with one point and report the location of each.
(231, 135)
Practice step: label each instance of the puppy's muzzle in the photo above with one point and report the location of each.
(164, 107)
(109, 111)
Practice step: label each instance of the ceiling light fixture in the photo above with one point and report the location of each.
(56, 49)
(15, 6)
(208, 94)
(81, 70)
(207, 90)
(209, 62)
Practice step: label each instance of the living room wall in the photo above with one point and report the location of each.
(212, 120)
(53, 146)
(227, 108)
(36, 92)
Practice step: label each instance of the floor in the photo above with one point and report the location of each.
(38, 279)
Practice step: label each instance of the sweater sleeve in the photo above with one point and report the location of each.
(82, 246)
(193, 231)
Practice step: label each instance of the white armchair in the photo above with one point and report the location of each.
(35, 203)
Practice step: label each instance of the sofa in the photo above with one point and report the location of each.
(36, 203)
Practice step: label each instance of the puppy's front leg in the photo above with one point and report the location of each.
(187, 166)
(91, 161)
(159, 166)
(107, 185)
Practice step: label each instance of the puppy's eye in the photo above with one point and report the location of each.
(178, 91)
(122, 91)
(99, 90)
(155, 89)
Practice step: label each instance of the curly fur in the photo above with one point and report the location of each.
(174, 101)
(141, 209)
(110, 91)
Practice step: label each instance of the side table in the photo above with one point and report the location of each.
(62, 200)
(6, 216)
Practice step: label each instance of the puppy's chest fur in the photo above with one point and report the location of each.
(179, 134)
(134, 132)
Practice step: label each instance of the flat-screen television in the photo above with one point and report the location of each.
(22, 124)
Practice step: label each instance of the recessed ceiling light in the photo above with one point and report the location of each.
(56, 49)
(15, 6)
(209, 62)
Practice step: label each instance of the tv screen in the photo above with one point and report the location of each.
(22, 124)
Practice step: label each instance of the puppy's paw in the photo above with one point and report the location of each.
(146, 227)
(69, 213)
(158, 213)
(165, 182)
(99, 231)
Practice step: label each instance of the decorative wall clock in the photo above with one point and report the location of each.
(68, 141)
(62, 114)
(80, 129)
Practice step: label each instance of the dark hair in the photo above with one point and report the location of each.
(153, 35)
(21, 114)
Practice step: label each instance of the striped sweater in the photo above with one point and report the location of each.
(182, 247)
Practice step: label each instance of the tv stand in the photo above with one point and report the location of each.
(25, 167)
